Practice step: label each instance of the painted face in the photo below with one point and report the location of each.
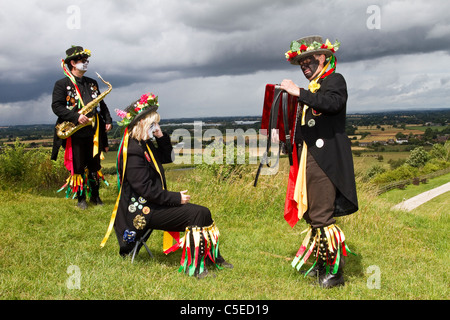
(152, 129)
(309, 66)
(82, 65)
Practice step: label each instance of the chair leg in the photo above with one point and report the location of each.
(148, 250)
(134, 251)
(142, 240)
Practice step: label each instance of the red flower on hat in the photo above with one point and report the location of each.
(303, 47)
(144, 98)
(292, 54)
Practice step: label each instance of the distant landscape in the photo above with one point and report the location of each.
(381, 131)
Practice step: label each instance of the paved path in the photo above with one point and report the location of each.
(416, 201)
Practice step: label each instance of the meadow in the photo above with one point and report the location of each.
(50, 250)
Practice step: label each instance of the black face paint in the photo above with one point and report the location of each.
(309, 66)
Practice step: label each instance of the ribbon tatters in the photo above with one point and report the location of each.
(79, 183)
(199, 243)
(325, 244)
(74, 184)
(69, 75)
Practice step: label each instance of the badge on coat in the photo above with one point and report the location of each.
(319, 143)
(139, 222)
(129, 236)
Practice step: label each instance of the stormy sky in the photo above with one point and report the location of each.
(214, 57)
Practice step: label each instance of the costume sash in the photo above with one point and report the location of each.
(116, 206)
(168, 237)
(68, 155)
(96, 136)
(290, 205)
(74, 82)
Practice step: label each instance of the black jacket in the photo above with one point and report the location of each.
(64, 105)
(324, 134)
(143, 187)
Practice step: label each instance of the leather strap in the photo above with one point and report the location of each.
(284, 104)
(273, 119)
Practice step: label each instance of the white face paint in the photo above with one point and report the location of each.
(151, 130)
(82, 66)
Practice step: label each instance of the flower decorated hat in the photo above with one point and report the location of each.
(76, 53)
(308, 46)
(137, 110)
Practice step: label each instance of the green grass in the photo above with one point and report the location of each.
(43, 234)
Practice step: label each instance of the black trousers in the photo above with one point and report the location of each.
(167, 218)
(82, 150)
(179, 217)
(321, 195)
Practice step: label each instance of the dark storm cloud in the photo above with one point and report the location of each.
(192, 44)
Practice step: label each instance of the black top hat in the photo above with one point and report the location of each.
(76, 53)
(308, 46)
(138, 110)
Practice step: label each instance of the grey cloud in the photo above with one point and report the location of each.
(139, 44)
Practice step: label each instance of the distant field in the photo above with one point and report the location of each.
(388, 133)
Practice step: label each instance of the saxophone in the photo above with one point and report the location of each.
(67, 128)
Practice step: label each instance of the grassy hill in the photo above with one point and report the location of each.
(45, 239)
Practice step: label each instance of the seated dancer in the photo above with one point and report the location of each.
(144, 201)
(322, 183)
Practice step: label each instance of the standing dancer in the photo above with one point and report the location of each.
(322, 183)
(84, 147)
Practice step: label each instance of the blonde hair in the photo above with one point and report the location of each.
(140, 130)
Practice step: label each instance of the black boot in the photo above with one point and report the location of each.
(81, 196)
(95, 186)
(318, 269)
(220, 261)
(201, 271)
(330, 280)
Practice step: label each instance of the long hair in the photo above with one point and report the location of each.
(140, 130)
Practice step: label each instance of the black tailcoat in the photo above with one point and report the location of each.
(324, 134)
(64, 105)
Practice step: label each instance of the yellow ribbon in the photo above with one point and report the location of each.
(114, 213)
(300, 192)
(97, 134)
(156, 165)
(167, 238)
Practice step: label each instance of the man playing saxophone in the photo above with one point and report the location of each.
(82, 148)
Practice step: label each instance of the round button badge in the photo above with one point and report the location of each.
(319, 143)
